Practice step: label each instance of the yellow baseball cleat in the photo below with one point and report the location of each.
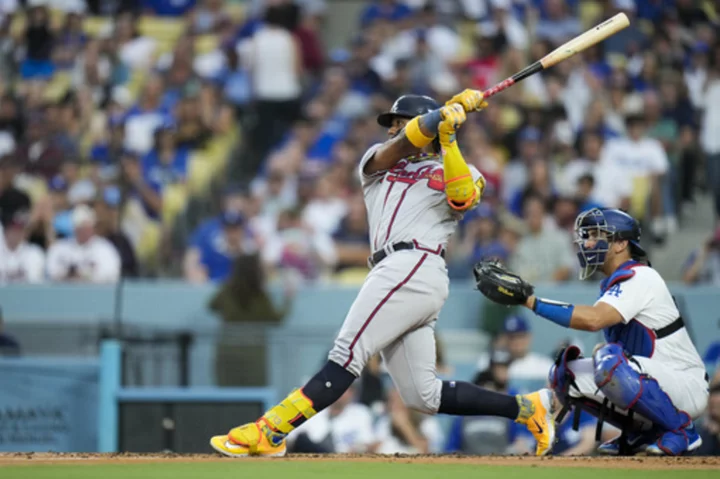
(248, 440)
(536, 413)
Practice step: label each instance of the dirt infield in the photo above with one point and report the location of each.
(17, 459)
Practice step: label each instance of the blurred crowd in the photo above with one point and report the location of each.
(169, 138)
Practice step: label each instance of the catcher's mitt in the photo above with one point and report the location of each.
(500, 285)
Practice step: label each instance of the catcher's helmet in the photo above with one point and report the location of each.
(616, 224)
(407, 106)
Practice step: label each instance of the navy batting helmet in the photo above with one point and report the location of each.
(616, 225)
(407, 106)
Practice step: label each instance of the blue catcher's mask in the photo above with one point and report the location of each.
(595, 229)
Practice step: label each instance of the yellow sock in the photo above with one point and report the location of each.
(282, 417)
(526, 409)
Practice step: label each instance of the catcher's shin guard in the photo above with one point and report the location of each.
(633, 391)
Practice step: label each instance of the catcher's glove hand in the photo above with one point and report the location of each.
(501, 286)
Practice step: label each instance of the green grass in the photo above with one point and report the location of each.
(334, 470)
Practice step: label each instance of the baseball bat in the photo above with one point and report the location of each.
(591, 37)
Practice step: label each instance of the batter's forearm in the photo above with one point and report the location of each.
(461, 190)
(416, 135)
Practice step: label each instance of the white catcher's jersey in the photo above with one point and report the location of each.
(408, 202)
(646, 299)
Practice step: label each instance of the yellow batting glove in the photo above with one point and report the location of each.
(453, 116)
(471, 100)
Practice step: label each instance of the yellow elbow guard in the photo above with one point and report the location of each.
(463, 201)
(415, 135)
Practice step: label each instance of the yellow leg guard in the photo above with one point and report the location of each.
(293, 407)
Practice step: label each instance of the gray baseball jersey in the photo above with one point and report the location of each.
(396, 309)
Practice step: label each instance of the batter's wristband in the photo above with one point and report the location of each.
(556, 311)
(415, 134)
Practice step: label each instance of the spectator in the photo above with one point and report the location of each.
(308, 33)
(243, 298)
(515, 174)
(545, 253)
(142, 119)
(483, 68)
(39, 154)
(39, 43)
(539, 185)
(404, 431)
(12, 126)
(12, 200)
(212, 256)
(107, 212)
(133, 49)
(327, 208)
(610, 187)
(527, 369)
(20, 261)
(711, 358)
(643, 160)
(207, 17)
(71, 39)
(344, 427)
(298, 250)
(193, 131)
(165, 165)
(85, 258)
(710, 426)
(274, 57)
(352, 237)
(565, 209)
(703, 264)
(425, 64)
(105, 156)
(363, 76)
(480, 240)
(559, 25)
(168, 8)
(482, 436)
(709, 139)
(389, 10)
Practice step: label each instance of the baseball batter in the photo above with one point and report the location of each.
(648, 378)
(416, 186)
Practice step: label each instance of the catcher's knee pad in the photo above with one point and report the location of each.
(561, 377)
(631, 390)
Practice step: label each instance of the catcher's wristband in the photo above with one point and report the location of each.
(556, 311)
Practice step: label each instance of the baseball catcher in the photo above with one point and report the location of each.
(416, 186)
(647, 379)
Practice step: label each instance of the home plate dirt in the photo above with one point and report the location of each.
(642, 462)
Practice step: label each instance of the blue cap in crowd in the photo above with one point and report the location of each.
(111, 196)
(515, 324)
(530, 133)
(58, 183)
(232, 218)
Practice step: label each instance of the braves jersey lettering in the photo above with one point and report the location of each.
(432, 173)
(408, 203)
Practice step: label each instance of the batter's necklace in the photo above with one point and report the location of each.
(422, 157)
